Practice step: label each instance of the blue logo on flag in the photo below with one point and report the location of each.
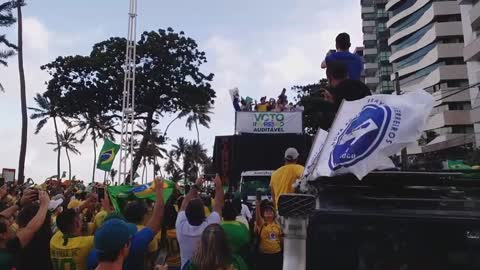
(361, 136)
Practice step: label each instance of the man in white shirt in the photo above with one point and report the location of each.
(191, 220)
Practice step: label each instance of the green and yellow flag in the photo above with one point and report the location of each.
(107, 155)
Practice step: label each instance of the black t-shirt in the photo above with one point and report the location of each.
(350, 90)
(8, 255)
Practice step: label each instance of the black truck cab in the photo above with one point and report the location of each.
(396, 221)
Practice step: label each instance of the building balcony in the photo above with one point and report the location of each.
(372, 51)
(369, 37)
(472, 51)
(475, 16)
(366, 10)
(449, 118)
(372, 82)
(391, 3)
(437, 8)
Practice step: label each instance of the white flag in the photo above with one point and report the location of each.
(367, 131)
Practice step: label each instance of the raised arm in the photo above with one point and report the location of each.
(193, 193)
(26, 234)
(219, 195)
(258, 211)
(155, 220)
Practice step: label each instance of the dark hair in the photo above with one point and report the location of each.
(343, 41)
(135, 211)
(337, 70)
(195, 212)
(229, 211)
(108, 256)
(66, 221)
(264, 205)
(214, 251)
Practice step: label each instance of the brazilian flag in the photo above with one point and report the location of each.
(120, 195)
(107, 155)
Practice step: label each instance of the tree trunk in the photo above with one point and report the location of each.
(139, 155)
(58, 146)
(198, 133)
(143, 171)
(94, 156)
(69, 165)
(23, 99)
(171, 122)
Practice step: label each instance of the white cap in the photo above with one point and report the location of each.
(291, 154)
(54, 204)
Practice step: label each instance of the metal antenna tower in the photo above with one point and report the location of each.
(128, 104)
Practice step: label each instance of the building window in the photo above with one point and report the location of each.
(415, 57)
(459, 106)
(454, 61)
(381, 27)
(457, 83)
(449, 18)
(411, 20)
(464, 129)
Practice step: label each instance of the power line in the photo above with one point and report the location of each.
(459, 91)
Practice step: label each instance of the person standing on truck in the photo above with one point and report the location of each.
(283, 179)
(352, 61)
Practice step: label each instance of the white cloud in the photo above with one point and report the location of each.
(36, 36)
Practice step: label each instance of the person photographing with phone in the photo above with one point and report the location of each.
(270, 236)
(191, 219)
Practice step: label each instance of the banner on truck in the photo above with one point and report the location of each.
(269, 122)
(368, 131)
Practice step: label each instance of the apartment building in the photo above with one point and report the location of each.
(427, 50)
(470, 11)
(376, 49)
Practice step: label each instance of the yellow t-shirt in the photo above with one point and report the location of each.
(283, 179)
(71, 256)
(153, 245)
(99, 217)
(270, 238)
(262, 107)
(207, 211)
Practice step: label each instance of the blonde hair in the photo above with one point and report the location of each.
(213, 252)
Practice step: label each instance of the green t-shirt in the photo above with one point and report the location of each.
(237, 262)
(237, 233)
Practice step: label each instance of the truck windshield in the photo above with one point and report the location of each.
(250, 184)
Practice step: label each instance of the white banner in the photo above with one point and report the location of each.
(269, 122)
(315, 151)
(367, 131)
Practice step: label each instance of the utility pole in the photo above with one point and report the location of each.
(403, 155)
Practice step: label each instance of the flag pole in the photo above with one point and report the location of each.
(403, 154)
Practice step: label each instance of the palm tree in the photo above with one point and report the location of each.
(47, 110)
(6, 20)
(97, 127)
(199, 116)
(197, 155)
(23, 95)
(191, 153)
(68, 141)
(172, 168)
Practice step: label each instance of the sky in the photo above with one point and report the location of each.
(258, 46)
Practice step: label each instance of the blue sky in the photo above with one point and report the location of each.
(258, 46)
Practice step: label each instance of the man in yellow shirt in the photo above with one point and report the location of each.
(283, 178)
(68, 248)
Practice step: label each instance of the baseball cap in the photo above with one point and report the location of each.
(54, 204)
(113, 235)
(291, 154)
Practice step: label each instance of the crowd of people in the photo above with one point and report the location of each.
(281, 104)
(52, 227)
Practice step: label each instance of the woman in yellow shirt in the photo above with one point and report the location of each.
(269, 232)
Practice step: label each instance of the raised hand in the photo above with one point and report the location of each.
(29, 196)
(43, 197)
